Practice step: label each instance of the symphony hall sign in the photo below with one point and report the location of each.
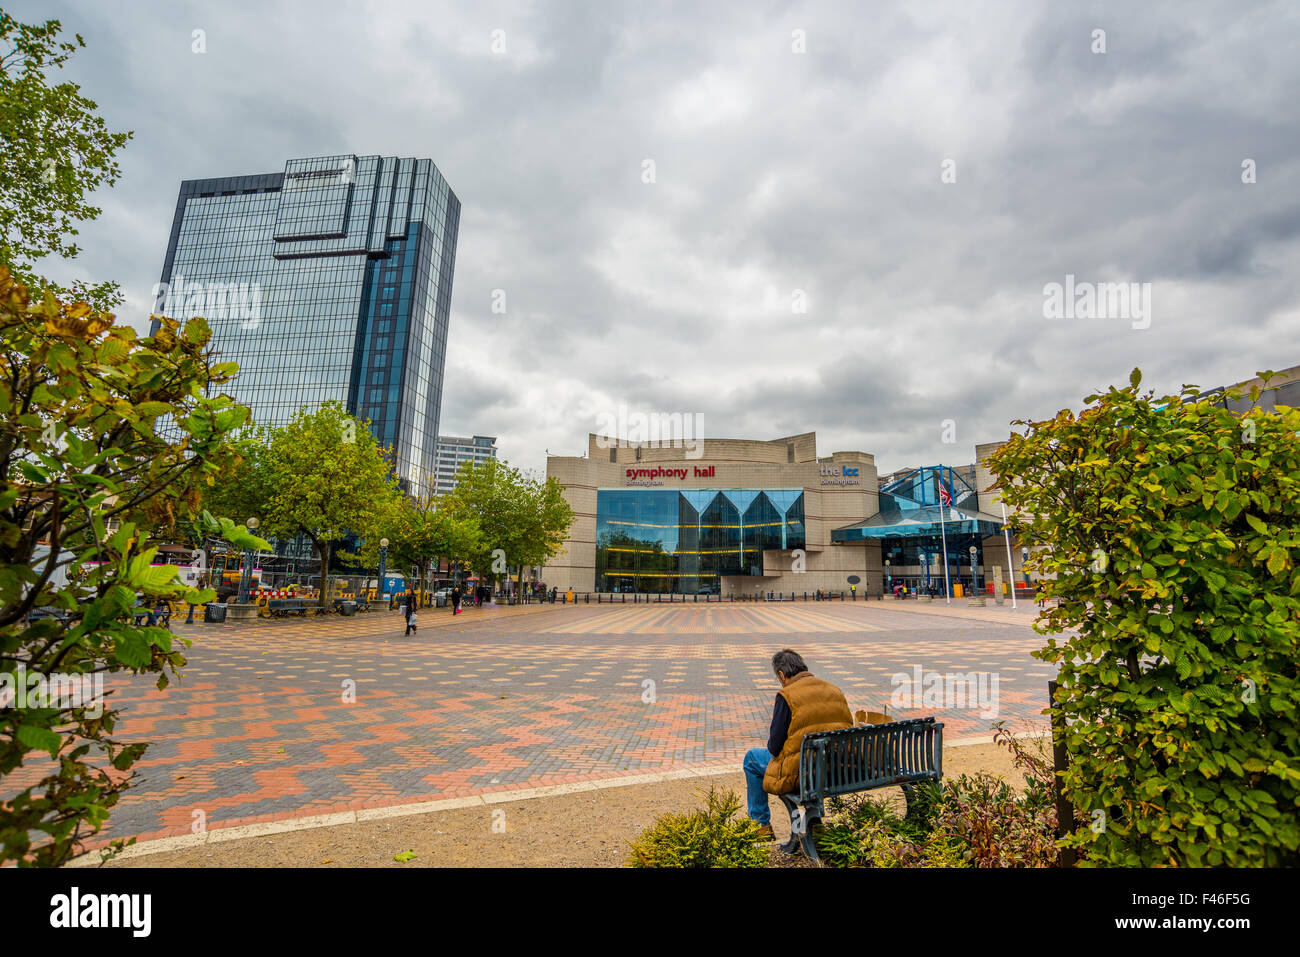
(831, 474)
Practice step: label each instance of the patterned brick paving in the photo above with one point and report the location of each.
(501, 699)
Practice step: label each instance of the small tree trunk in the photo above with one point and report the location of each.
(323, 549)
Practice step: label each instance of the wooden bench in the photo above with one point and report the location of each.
(861, 758)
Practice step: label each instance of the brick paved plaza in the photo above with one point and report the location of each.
(507, 698)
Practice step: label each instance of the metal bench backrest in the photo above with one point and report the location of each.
(870, 756)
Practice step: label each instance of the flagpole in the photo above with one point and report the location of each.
(943, 530)
(1011, 568)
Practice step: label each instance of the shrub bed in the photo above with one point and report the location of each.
(712, 837)
(975, 820)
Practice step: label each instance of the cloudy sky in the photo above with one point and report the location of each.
(854, 209)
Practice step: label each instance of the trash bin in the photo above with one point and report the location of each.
(214, 611)
(441, 601)
(347, 608)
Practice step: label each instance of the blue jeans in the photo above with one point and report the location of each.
(755, 764)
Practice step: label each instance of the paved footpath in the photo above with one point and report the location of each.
(263, 726)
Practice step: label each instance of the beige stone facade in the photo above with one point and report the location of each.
(839, 489)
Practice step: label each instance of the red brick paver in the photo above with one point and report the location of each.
(260, 727)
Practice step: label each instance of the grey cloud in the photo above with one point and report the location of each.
(776, 171)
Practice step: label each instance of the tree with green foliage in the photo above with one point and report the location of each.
(54, 152)
(523, 520)
(83, 477)
(1169, 531)
(323, 475)
(419, 532)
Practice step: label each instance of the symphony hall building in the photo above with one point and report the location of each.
(740, 517)
(734, 516)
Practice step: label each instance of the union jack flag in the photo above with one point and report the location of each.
(944, 497)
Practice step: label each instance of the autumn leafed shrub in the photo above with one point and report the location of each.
(971, 821)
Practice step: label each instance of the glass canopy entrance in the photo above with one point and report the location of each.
(918, 511)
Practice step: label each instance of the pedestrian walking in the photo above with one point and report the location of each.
(411, 616)
(455, 601)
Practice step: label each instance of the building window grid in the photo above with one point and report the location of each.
(237, 233)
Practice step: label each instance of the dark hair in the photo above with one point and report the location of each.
(789, 663)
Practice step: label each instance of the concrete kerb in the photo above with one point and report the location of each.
(266, 828)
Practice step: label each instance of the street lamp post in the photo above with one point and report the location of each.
(974, 582)
(889, 580)
(383, 565)
(246, 570)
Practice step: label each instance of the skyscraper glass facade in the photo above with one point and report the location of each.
(685, 541)
(329, 281)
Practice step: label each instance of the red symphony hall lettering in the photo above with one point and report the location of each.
(705, 472)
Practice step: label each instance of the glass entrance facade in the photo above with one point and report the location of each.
(917, 562)
(919, 513)
(653, 540)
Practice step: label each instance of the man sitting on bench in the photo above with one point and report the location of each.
(804, 705)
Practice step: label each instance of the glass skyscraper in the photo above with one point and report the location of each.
(329, 281)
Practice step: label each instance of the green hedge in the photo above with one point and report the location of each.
(1169, 530)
